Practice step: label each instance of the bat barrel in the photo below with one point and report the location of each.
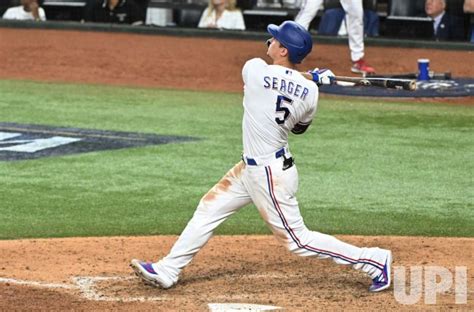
(404, 84)
(391, 83)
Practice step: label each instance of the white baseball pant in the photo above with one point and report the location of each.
(272, 190)
(354, 22)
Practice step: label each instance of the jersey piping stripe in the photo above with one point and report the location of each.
(296, 239)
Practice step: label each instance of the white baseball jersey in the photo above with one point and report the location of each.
(276, 98)
(18, 13)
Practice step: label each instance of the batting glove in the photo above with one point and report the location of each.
(322, 76)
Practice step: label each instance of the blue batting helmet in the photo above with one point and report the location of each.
(294, 37)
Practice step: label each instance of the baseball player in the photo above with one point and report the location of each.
(277, 100)
(355, 29)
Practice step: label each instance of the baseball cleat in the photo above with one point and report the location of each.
(145, 271)
(383, 281)
(361, 67)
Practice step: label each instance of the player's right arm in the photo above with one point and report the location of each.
(304, 124)
(307, 119)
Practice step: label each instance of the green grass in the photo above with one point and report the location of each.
(366, 166)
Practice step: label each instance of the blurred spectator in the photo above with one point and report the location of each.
(114, 11)
(331, 23)
(469, 9)
(445, 26)
(371, 23)
(222, 14)
(28, 10)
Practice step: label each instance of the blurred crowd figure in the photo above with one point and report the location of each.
(355, 29)
(445, 26)
(469, 9)
(114, 11)
(333, 22)
(222, 14)
(28, 10)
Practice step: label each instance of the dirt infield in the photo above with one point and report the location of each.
(189, 63)
(93, 273)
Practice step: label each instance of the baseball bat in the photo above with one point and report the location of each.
(431, 74)
(389, 83)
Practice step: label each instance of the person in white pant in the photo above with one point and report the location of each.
(277, 99)
(355, 29)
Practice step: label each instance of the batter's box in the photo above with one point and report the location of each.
(25, 141)
(114, 288)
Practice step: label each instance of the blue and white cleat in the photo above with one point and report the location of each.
(147, 273)
(383, 281)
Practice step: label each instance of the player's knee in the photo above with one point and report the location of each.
(297, 249)
(285, 241)
(293, 248)
(299, 239)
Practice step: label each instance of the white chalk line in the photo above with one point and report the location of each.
(35, 284)
(86, 285)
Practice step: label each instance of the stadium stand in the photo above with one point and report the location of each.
(65, 10)
(398, 18)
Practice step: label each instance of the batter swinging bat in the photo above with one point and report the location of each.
(390, 83)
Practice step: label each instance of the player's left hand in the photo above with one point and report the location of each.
(322, 76)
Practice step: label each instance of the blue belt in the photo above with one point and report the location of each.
(253, 162)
